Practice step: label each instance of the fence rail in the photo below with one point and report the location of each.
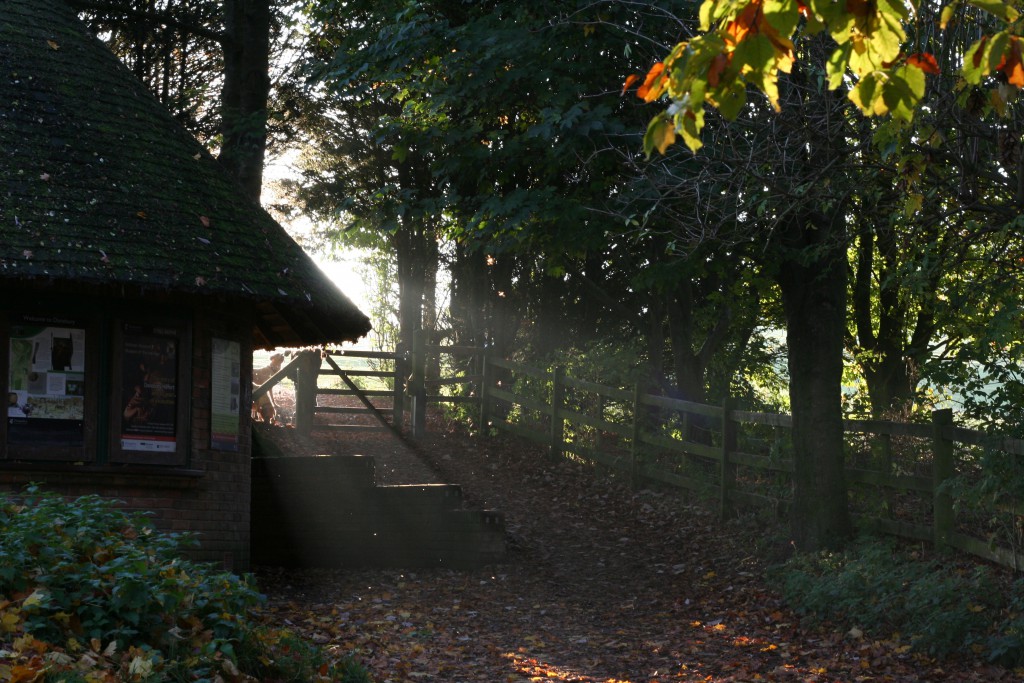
(706, 448)
(736, 457)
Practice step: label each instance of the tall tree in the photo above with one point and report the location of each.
(180, 48)
(246, 46)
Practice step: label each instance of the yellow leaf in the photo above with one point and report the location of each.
(913, 204)
(53, 44)
(37, 597)
(948, 12)
(9, 621)
(660, 135)
(998, 101)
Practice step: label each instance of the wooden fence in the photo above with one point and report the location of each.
(902, 476)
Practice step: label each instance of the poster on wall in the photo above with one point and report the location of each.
(46, 382)
(149, 389)
(225, 398)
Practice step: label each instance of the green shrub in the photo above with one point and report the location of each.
(91, 570)
(86, 587)
(881, 590)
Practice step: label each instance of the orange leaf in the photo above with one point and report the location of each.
(630, 80)
(205, 221)
(924, 61)
(745, 23)
(141, 214)
(1013, 67)
(25, 672)
(718, 65)
(644, 90)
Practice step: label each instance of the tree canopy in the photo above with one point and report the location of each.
(883, 53)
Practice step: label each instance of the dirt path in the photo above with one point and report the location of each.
(601, 585)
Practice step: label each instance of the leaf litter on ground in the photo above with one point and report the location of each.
(601, 584)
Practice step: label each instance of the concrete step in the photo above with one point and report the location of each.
(314, 512)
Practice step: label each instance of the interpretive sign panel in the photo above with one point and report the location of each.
(149, 389)
(225, 394)
(46, 383)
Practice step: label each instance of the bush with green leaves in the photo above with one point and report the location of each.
(882, 590)
(91, 585)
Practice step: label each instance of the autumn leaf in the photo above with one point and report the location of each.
(141, 214)
(1004, 10)
(205, 221)
(53, 44)
(653, 85)
(745, 23)
(718, 65)
(924, 61)
(630, 80)
(1011, 65)
(660, 135)
(948, 12)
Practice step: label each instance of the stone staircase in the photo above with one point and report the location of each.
(327, 511)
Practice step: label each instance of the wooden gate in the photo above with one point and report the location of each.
(322, 375)
(337, 364)
(382, 393)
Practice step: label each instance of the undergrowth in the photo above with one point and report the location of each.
(90, 593)
(881, 590)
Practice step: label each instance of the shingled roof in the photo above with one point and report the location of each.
(99, 185)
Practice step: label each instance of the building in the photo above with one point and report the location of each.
(135, 282)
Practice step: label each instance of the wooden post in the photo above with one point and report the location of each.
(557, 421)
(634, 446)
(401, 373)
(942, 472)
(728, 471)
(483, 426)
(418, 386)
(307, 377)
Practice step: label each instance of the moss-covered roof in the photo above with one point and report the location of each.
(100, 186)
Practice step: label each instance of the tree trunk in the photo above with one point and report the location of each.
(246, 90)
(552, 328)
(688, 366)
(469, 286)
(813, 285)
(410, 284)
(431, 259)
(888, 342)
